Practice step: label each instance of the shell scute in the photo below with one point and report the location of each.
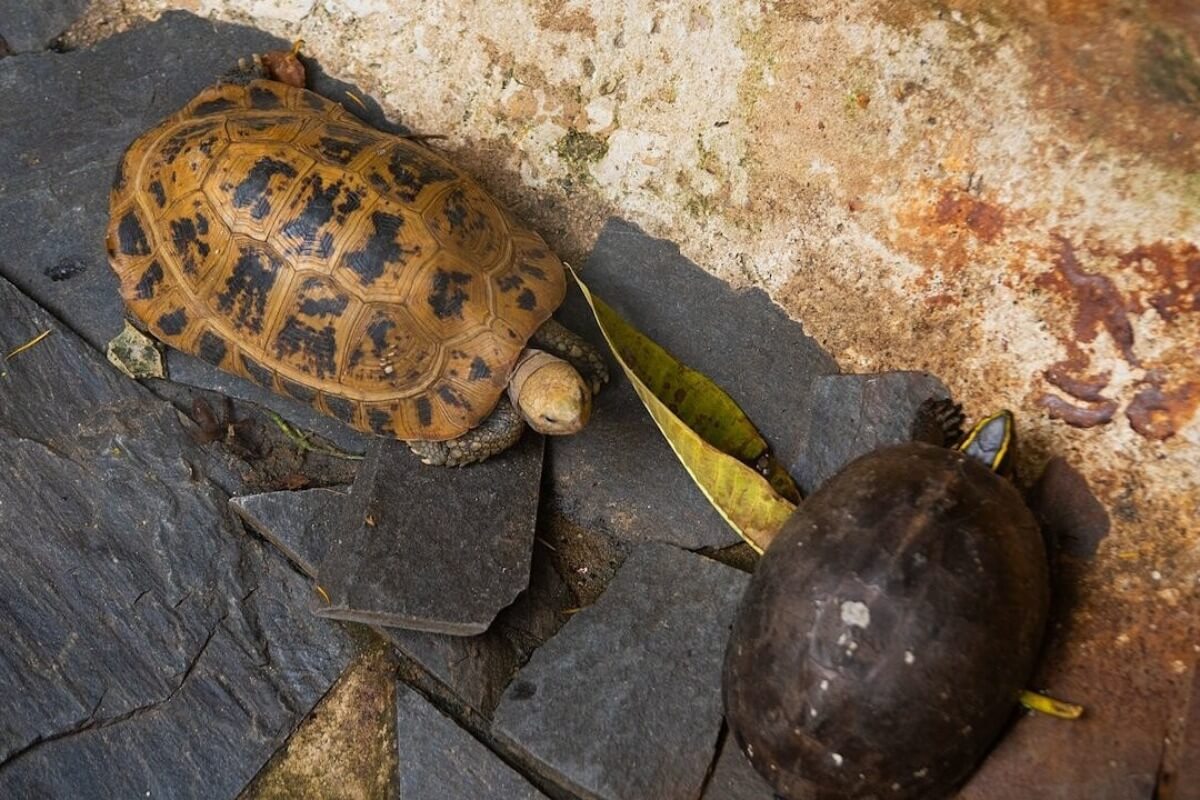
(251, 188)
(265, 126)
(243, 294)
(407, 172)
(384, 253)
(325, 202)
(466, 221)
(195, 238)
(307, 338)
(390, 353)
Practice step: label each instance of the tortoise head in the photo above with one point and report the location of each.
(550, 394)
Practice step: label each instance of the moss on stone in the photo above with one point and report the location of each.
(579, 149)
(1171, 69)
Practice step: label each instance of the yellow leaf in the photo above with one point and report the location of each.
(717, 444)
(1049, 706)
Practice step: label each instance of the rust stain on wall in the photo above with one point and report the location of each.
(1098, 303)
(1174, 273)
(1168, 393)
(1159, 410)
(958, 208)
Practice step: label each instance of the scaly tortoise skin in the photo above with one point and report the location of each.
(271, 233)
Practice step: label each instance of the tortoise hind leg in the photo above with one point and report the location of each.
(246, 71)
(276, 65)
(574, 349)
(498, 432)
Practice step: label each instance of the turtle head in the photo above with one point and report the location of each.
(550, 394)
(991, 441)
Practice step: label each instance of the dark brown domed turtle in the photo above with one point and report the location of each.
(270, 232)
(891, 625)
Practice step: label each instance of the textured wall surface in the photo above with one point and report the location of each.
(1003, 193)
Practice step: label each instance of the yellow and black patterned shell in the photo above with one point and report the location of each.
(271, 233)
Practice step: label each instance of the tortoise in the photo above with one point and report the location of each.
(270, 232)
(886, 634)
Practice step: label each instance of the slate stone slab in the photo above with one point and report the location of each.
(472, 669)
(438, 759)
(477, 669)
(67, 118)
(295, 522)
(851, 415)
(734, 779)
(619, 474)
(150, 646)
(625, 701)
(434, 549)
(34, 24)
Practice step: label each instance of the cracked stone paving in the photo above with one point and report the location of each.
(835, 209)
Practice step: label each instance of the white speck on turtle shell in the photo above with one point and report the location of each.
(909, 658)
(855, 613)
(824, 685)
(837, 759)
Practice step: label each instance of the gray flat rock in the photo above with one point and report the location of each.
(472, 669)
(734, 779)
(296, 523)
(434, 549)
(438, 760)
(33, 24)
(151, 647)
(625, 701)
(619, 474)
(476, 669)
(850, 415)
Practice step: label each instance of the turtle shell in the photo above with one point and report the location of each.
(271, 233)
(888, 630)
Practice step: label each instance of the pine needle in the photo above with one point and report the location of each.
(22, 348)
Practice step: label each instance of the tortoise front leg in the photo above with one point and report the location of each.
(571, 347)
(499, 431)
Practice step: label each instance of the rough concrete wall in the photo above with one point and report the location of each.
(1005, 194)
